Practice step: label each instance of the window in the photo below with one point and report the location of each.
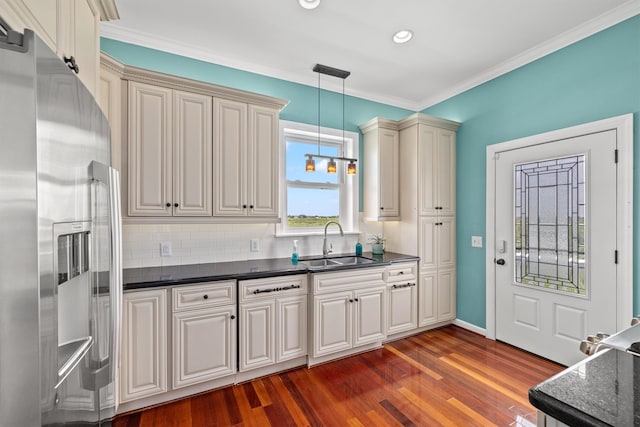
(310, 199)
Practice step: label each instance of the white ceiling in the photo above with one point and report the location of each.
(457, 44)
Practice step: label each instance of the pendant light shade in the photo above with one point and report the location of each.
(351, 168)
(311, 165)
(331, 164)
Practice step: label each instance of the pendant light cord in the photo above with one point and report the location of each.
(318, 113)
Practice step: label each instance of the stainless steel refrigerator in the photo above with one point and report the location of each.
(60, 257)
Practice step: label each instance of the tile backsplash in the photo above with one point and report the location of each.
(205, 243)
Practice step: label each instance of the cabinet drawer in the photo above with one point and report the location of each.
(204, 295)
(347, 280)
(272, 286)
(401, 272)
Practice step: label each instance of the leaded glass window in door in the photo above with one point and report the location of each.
(550, 225)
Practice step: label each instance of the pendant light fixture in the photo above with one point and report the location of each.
(331, 164)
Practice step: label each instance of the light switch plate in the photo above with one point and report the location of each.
(476, 241)
(255, 245)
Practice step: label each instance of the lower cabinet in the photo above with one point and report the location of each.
(204, 332)
(349, 310)
(143, 368)
(402, 297)
(437, 297)
(273, 320)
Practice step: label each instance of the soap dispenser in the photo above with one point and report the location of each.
(294, 254)
(358, 248)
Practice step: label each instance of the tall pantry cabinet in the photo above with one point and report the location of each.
(427, 225)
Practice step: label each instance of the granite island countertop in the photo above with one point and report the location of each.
(602, 390)
(149, 277)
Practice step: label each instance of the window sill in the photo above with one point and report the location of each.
(315, 234)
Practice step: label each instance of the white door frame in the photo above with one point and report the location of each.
(624, 233)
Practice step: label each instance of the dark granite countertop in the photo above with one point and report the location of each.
(148, 277)
(603, 390)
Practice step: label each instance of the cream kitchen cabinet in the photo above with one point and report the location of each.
(246, 159)
(437, 269)
(169, 146)
(349, 311)
(204, 332)
(143, 366)
(437, 170)
(381, 170)
(273, 320)
(71, 28)
(402, 297)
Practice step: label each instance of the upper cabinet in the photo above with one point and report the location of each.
(169, 152)
(246, 159)
(437, 161)
(381, 170)
(192, 151)
(71, 28)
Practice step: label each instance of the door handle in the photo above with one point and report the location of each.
(500, 261)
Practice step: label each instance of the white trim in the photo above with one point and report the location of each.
(349, 198)
(470, 327)
(624, 233)
(167, 44)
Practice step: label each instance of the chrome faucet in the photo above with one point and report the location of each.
(325, 249)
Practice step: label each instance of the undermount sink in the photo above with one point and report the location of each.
(337, 261)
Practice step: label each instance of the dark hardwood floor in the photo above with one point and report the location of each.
(448, 376)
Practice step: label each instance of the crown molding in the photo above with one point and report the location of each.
(165, 44)
(108, 10)
(602, 22)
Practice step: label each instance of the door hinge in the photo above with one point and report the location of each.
(615, 155)
(615, 256)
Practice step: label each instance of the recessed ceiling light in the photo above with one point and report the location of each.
(401, 36)
(309, 4)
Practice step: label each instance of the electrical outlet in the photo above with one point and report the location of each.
(165, 248)
(255, 245)
(476, 241)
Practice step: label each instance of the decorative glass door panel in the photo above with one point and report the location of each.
(550, 225)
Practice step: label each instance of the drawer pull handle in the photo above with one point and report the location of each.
(286, 288)
(205, 296)
(406, 285)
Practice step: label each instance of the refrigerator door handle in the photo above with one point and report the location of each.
(110, 177)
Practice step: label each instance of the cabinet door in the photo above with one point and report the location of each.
(402, 303)
(427, 170)
(203, 345)
(192, 145)
(257, 334)
(292, 327)
(230, 146)
(389, 173)
(332, 323)
(446, 295)
(427, 310)
(446, 242)
(428, 243)
(262, 162)
(78, 36)
(370, 313)
(446, 176)
(150, 163)
(40, 16)
(143, 369)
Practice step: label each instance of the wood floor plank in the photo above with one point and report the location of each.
(446, 376)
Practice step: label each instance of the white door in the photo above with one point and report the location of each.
(555, 244)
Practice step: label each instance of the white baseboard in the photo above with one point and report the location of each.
(470, 326)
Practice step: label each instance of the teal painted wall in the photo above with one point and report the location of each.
(596, 78)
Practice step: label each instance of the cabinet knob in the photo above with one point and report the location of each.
(357, 300)
(251, 206)
(381, 208)
(205, 296)
(175, 205)
(350, 300)
(71, 63)
(244, 206)
(168, 204)
(233, 317)
(402, 272)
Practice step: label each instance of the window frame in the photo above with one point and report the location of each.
(347, 185)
